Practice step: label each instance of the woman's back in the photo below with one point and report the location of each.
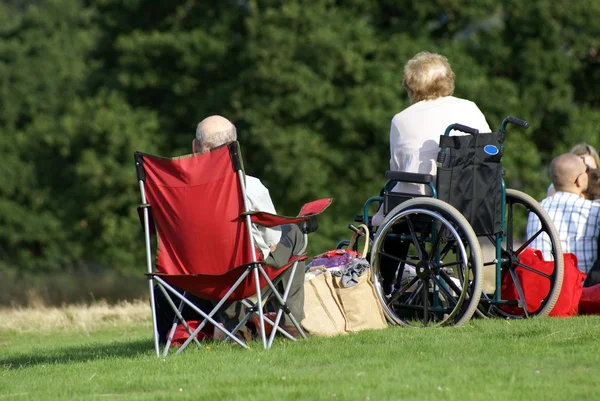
(415, 134)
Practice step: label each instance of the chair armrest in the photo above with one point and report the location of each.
(315, 207)
(307, 213)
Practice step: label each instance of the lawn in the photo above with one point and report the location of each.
(109, 355)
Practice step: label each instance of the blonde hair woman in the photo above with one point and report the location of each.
(415, 131)
(589, 154)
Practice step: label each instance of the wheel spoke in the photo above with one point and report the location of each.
(425, 300)
(413, 296)
(529, 241)
(396, 258)
(401, 291)
(451, 283)
(539, 273)
(450, 264)
(447, 248)
(521, 295)
(443, 288)
(415, 240)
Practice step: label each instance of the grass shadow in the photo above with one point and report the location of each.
(80, 353)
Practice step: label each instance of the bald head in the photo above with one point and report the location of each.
(568, 173)
(212, 132)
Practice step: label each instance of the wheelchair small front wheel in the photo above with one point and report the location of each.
(427, 263)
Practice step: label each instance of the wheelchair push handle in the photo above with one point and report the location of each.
(356, 230)
(441, 157)
(462, 128)
(513, 120)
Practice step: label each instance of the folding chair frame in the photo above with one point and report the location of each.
(255, 268)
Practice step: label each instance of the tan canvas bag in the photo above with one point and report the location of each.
(323, 313)
(360, 304)
(332, 309)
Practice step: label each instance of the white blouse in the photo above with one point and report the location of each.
(415, 137)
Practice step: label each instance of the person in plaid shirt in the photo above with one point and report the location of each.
(576, 219)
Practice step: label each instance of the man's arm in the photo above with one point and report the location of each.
(259, 200)
(258, 196)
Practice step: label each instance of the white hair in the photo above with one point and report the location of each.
(210, 140)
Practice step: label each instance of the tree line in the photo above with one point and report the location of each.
(311, 86)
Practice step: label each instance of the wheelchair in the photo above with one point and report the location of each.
(426, 256)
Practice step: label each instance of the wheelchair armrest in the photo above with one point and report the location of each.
(359, 219)
(409, 177)
(393, 199)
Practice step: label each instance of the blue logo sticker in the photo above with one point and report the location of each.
(490, 150)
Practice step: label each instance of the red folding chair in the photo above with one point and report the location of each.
(197, 207)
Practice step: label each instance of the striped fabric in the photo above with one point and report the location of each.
(577, 221)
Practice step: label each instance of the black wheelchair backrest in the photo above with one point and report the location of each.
(470, 178)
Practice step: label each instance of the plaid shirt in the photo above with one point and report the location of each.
(577, 221)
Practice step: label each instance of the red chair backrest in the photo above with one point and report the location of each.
(196, 202)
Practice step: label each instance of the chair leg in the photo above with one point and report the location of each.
(178, 316)
(170, 337)
(261, 317)
(173, 328)
(154, 321)
(241, 324)
(283, 306)
(275, 327)
(254, 309)
(149, 268)
(207, 317)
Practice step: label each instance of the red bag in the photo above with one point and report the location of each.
(181, 333)
(535, 287)
(589, 304)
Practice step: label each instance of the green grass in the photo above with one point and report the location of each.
(543, 359)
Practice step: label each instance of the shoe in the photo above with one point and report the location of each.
(268, 328)
(292, 330)
(408, 274)
(243, 335)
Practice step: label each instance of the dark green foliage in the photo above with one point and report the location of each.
(66, 184)
(311, 89)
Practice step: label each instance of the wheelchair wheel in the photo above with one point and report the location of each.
(518, 207)
(427, 263)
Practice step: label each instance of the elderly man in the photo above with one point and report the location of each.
(278, 244)
(576, 219)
